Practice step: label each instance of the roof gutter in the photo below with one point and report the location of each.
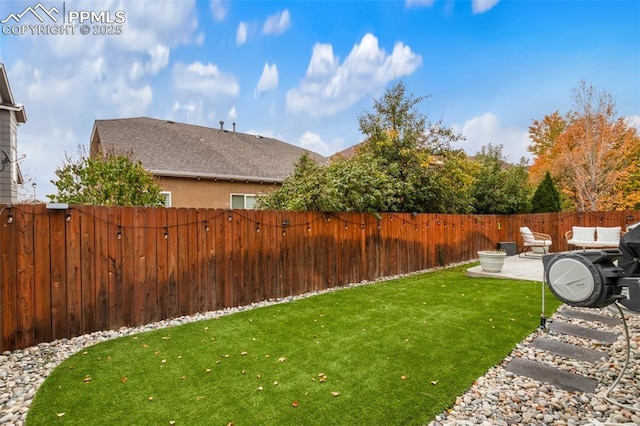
(259, 179)
(19, 109)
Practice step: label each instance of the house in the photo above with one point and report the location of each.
(11, 115)
(199, 166)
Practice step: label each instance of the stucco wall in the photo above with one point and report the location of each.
(207, 193)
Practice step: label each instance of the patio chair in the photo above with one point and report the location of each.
(535, 242)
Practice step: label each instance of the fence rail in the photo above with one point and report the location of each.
(69, 272)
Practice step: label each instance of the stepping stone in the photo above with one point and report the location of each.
(568, 350)
(587, 333)
(543, 373)
(587, 316)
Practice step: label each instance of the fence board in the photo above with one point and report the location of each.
(87, 271)
(193, 228)
(114, 242)
(101, 267)
(151, 232)
(8, 278)
(25, 291)
(173, 270)
(183, 282)
(128, 267)
(74, 284)
(162, 275)
(42, 275)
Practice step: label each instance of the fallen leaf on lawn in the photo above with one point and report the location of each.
(226, 356)
(335, 393)
(243, 372)
(84, 353)
(294, 404)
(87, 379)
(244, 353)
(179, 356)
(172, 422)
(156, 353)
(282, 359)
(163, 361)
(184, 377)
(124, 379)
(403, 377)
(275, 383)
(208, 370)
(198, 398)
(435, 382)
(60, 414)
(150, 398)
(258, 375)
(260, 388)
(145, 346)
(218, 361)
(166, 338)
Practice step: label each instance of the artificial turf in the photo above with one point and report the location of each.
(390, 353)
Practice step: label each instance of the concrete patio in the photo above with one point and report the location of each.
(515, 267)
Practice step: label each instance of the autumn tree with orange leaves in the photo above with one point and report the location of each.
(592, 154)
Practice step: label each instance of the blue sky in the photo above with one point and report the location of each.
(303, 71)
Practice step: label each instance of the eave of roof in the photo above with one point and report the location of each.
(169, 173)
(6, 97)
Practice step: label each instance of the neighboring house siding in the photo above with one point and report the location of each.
(8, 142)
(205, 193)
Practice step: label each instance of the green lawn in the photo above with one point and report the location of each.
(391, 353)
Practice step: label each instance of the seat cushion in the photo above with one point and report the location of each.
(584, 233)
(527, 235)
(608, 234)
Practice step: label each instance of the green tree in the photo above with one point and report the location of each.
(109, 179)
(355, 184)
(412, 152)
(501, 188)
(546, 198)
(405, 165)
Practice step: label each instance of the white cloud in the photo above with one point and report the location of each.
(233, 113)
(241, 33)
(314, 142)
(323, 63)
(487, 129)
(268, 79)
(189, 106)
(159, 59)
(329, 87)
(277, 23)
(205, 80)
(418, 3)
(218, 10)
(481, 6)
(149, 22)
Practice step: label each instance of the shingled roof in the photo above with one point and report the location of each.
(168, 148)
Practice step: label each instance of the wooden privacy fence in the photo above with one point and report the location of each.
(69, 272)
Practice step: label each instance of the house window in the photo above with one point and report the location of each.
(243, 201)
(167, 198)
